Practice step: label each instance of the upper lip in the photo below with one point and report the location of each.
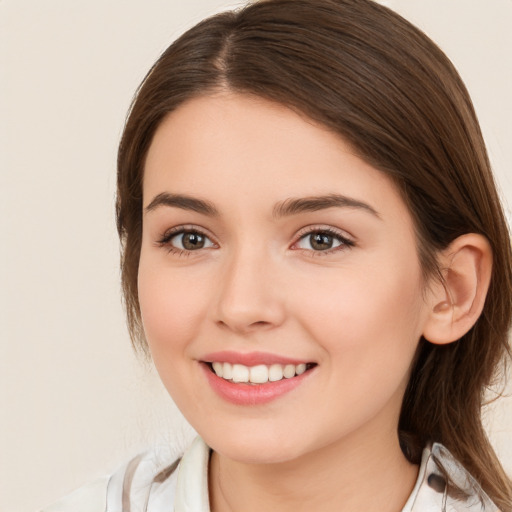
(250, 358)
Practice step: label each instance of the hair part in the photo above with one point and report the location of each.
(368, 75)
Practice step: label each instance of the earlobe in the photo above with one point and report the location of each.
(456, 303)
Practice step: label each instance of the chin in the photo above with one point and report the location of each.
(250, 448)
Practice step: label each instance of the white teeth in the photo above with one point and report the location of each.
(227, 371)
(259, 374)
(217, 368)
(275, 372)
(240, 373)
(289, 371)
(301, 368)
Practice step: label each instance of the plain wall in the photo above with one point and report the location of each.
(74, 401)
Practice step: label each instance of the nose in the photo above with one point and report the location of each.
(250, 296)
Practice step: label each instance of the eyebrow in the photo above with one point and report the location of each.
(286, 208)
(184, 202)
(312, 204)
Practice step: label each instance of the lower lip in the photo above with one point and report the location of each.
(252, 394)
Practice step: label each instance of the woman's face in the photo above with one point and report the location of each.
(270, 248)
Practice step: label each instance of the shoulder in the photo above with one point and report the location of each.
(144, 478)
(149, 478)
(152, 481)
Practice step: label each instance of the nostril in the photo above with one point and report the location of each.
(244, 327)
(260, 323)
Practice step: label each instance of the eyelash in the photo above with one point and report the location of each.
(345, 243)
(165, 239)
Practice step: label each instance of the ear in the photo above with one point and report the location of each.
(455, 304)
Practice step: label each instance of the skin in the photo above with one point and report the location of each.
(357, 311)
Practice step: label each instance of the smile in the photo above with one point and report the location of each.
(254, 383)
(259, 374)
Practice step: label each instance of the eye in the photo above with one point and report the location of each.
(185, 240)
(323, 240)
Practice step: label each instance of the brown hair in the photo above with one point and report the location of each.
(380, 83)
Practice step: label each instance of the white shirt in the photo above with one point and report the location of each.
(149, 484)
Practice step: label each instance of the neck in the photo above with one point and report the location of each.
(346, 476)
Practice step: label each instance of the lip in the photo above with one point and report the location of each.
(252, 394)
(250, 358)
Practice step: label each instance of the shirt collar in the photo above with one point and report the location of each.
(431, 492)
(444, 484)
(192, 484)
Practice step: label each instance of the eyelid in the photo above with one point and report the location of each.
(347, 240)
(312, 228)
(165, 239)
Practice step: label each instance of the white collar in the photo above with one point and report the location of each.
(192, 484)
(146, 484)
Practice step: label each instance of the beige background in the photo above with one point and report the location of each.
(74, 401)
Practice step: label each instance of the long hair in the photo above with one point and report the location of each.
(370, 76)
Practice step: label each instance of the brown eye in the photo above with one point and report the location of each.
(319, 241)
(190, 241)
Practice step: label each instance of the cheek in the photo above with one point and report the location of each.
(368, 327)
(370, 315)
(170, 307)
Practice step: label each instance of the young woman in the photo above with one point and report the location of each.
(315, 256)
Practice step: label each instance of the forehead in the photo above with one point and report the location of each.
(229, 146)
